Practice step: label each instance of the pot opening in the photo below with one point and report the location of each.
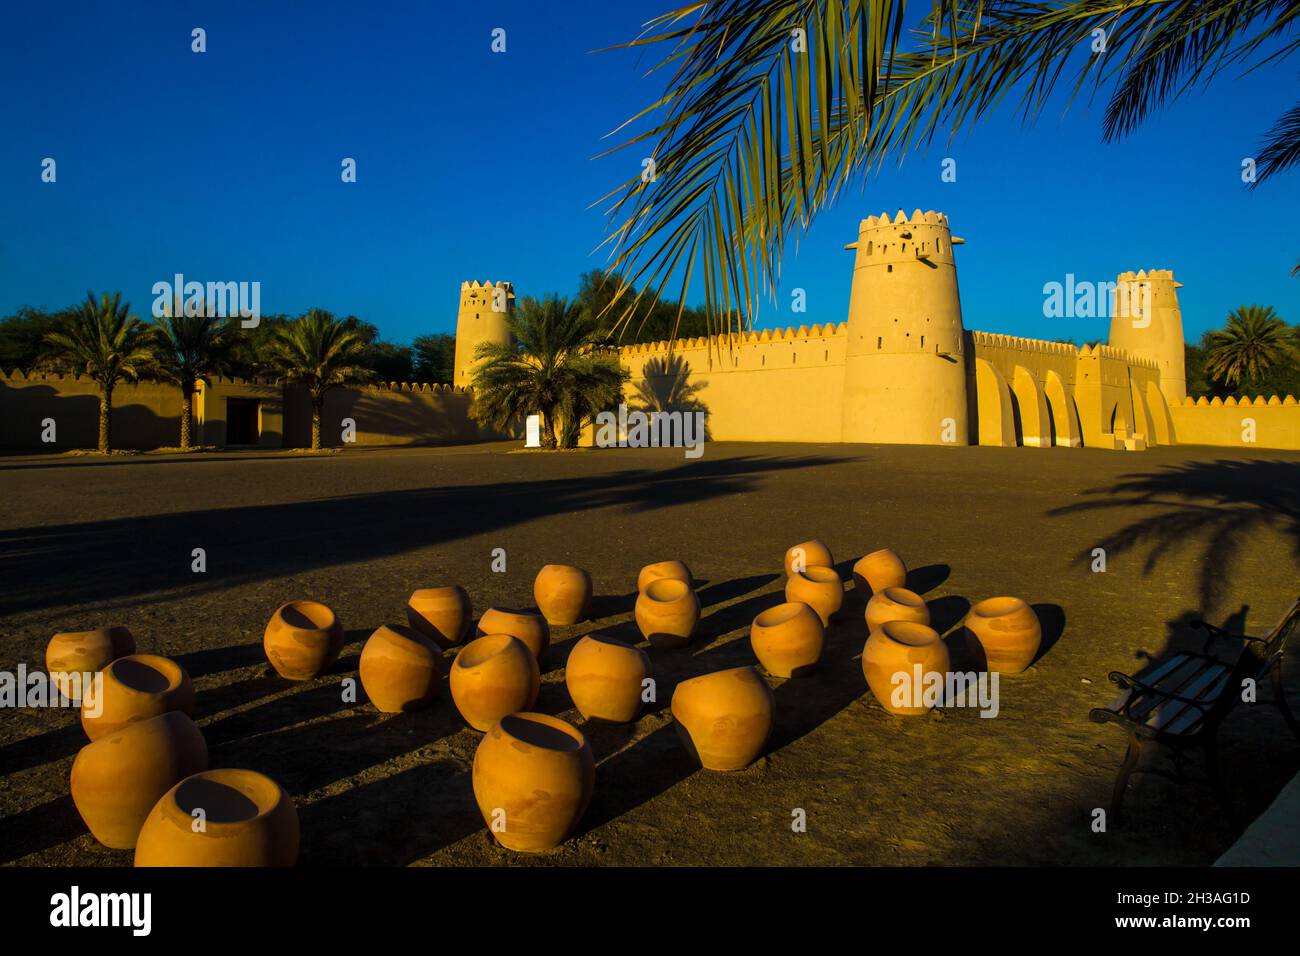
(779, 614)
(910, 633)
(542, 731)
(666, 589)
(307, 615)
(231, 796)
(483, 649)
(821, 575)
(904, 597)
(138, 675)
(998, 606)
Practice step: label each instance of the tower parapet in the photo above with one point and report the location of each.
(905, 368)
(484, 316)
(1148, 324)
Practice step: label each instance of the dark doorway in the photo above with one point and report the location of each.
(241, 421)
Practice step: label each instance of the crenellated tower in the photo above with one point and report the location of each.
(1147, 323)
(905, 366)
(485, 309)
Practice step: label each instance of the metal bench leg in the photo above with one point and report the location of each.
(1216, 778)
(1280, 699)
(1121, 782)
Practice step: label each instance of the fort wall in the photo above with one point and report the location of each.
(1272, 422)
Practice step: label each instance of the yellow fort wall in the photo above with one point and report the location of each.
(773, 385)
(1260, 422)
(145, 415)
(390, 414)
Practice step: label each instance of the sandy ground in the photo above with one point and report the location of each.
(87, 542)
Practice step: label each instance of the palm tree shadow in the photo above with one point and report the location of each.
(1220, 505)
(666, 386)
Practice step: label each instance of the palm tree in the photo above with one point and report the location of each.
(104, 341)
(191, 347)
(318, 352)
(1252, 341)
(556, 367)
(775, 107)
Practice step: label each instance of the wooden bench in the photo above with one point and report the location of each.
(1183, 701)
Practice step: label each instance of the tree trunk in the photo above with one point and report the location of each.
(187, 414)
(548, 429)
(105, 420)
(315, 425)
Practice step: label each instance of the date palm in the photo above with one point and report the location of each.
(555, 367)
(1252, 341)
(104, 341)
(190, 348)
(320, 353)
(773, 107)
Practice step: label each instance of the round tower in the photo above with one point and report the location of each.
(485, 309)
(1147, 323)
(905, 368)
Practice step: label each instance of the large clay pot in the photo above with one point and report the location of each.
(401, 669)
(663, 569)
(724, 718)
(444, 614)
(530, 628)
(1008, 630)
(72, 654)
(135, 688)
(562, 593)
(605, 678)
(898, 648)
(247, 820)
(302, 640)
(667, 612)
(494, 676)
(533, 776)
(879, 570)
(820, 588)
(896, 604)
(117, 779)
(809, 554)
(787, 639)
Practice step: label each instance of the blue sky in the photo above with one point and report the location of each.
(225, 166)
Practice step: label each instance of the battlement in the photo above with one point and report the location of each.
(929, 218)
(803, 332)
(1145, 275)
(1232, 401)
(474, 285)
(994, 340)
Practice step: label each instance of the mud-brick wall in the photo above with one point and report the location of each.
(775, 385)
(1271, 422)
(145, 415)
(387, 415)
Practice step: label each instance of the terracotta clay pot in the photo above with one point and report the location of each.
(302, 640)
(897, 648)
(530, 628)
(73, 653)
(664, 569)
(494, 676)
(811, 554)
(818, 587)
(533, 777)
(667, 612)
(444, 614)
(562, 593)
(879, 570)
(247, 820)
(724, 718)
(605, 676)
(896, 604)
(135, 688)
(1008, 630)
(787, 639)
(117, 779)
(401, 669)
